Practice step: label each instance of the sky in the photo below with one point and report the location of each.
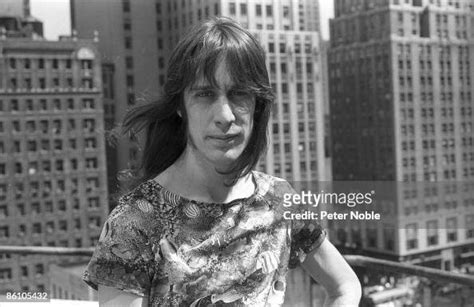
(56, 19)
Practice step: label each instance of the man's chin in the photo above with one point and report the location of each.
(227, 159)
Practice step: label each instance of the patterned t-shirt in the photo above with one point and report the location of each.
(181, 252)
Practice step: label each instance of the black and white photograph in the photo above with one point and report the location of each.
(236, 153)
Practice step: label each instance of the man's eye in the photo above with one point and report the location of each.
(205, 94)
(238, 93)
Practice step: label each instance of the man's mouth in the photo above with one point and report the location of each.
(224, 137)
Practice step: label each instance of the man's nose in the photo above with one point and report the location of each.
(223, 113)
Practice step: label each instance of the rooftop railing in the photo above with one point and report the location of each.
(434, 283)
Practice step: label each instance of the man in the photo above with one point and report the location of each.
(203, 228)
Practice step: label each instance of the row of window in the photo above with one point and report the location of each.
(287, 147)
(55, 126)
(288, 167)
(297, 48)
(446, 143)
(56, 104)
(46, 166)
(159, 9)
(433, 232)
(57, 64)
(258, 10)
(42, 83)
(430, 190)
(47, 206)
(50, 227)
(408, 113)
(45, 145)
(298, 68)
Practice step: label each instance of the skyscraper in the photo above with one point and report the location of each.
(132, 67)
(138, 36)
(401, 100)
(53, 188)
(15, 7)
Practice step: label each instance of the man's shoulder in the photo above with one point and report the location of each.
(144, 198)
(268, 184)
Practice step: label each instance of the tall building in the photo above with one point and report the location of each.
(132, 67)
(136, 37)
(15, 7)
(53, 188)
(401, 104)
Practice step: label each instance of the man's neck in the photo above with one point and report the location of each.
(195, 179)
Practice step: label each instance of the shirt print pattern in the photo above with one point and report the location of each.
(181, 252)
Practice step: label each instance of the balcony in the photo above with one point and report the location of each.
(383, 281)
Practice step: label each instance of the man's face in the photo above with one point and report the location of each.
(220, 120)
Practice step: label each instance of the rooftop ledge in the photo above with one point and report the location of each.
(353, 260)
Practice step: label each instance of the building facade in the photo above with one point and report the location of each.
(15, 7)
(132, 66)
(138, 36)
(53, 188)
(66, 283)
(401, 101)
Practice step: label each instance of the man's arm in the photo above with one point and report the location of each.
(111, 297)
(327, 266)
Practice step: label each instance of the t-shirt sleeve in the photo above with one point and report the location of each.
(306, 234)
(123, 258)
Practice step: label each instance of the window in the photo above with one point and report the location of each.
(269, 10)
(412, 236)
(282, 47)
(128, 42)
(232, 8)
(36, 228)
(94, 222)
(39, 269)
(24, 271)
(70, 104)
(243, 9)
(12, 63)
(57, 126)
(89, 104)
(59, 165)
(451, 229)
(5, 275)
(62, 203)
(91, 163)
(43, 105)
(29, 105)
(58, 144)
(3, 191)
(63, 225)
(14, 105)
(470, 225)
(432, 232)
(93, 202)
(56, 104)
(90, 143)
(45, 146)
(271, 47)
(3, 211)
(258, 10)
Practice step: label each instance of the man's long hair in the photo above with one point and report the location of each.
(198, 55)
